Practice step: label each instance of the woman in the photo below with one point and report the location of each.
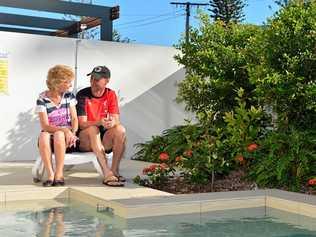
(59, 122)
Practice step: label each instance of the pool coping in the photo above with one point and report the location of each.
(169, 204)
(297, 203)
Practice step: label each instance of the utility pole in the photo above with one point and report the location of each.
(188, 6)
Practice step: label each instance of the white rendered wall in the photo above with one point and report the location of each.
(143, 75)
(29, 59)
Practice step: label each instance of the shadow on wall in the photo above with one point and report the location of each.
(22, 139)
(152, 112)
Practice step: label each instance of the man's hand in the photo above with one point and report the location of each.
(108, 122)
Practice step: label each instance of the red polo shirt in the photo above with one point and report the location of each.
(96, 108)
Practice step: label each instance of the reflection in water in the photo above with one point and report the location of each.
(54, 224)
(81, 220)
(66, 221)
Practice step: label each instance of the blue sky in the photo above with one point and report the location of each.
(168, 28)
(158, 22)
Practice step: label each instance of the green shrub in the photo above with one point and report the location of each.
(174, 141)
(216, 65)
(150, 150)
(275, 65)
(196, 149)
(285, 160)
(282, 65)
(157, 175)
(205, 159)
(244, 126)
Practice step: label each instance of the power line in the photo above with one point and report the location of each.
(152, 22)
(150, 15)
(149, 18)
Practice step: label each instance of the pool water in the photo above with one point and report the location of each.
(77, 219)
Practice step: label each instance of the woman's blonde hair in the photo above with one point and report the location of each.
(57, 75)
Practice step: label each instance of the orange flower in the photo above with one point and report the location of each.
(163, 156)
(312, 182)
(178, 159)
(188, 153)
(163, 166)
(252, 147)
(152, 168)
(240, 159)
(146, 170)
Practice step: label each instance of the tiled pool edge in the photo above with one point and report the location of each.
(111, 206)
(191, 203)
(296, 203)
(30, 199)
(34, 194)
(194, 203)
(176, 204)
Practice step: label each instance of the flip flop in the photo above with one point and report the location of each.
(121, 178)
(112, 181)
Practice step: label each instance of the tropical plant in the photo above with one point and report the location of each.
(173, 141)
(206, 160)
(312, 183)
(268, 126)
(285, 160)
(245, 128)
(157, 174)
(196, 150)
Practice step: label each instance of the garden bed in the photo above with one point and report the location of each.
(235, 181)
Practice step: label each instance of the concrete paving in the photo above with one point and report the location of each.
(131, 201)
(16, 177)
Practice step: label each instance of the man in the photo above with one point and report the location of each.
(99, 123)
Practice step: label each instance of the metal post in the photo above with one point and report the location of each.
(76, 66)
(188, 5)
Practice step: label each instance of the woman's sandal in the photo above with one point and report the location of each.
(112, 181)
(48, 183)
(59, 182)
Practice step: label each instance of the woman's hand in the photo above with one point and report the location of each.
(73, 140)
(70, 138)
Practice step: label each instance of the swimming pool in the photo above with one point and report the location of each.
(78, 219)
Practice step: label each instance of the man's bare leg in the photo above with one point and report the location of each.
(115, 139)
(90, 141)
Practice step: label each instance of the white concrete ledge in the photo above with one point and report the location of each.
(157, 203)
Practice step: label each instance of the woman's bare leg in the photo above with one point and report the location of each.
(59, 151)
(46, 153)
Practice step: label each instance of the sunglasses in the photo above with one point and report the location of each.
(97, 69)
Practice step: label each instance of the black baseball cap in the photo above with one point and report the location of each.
(99, 72)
